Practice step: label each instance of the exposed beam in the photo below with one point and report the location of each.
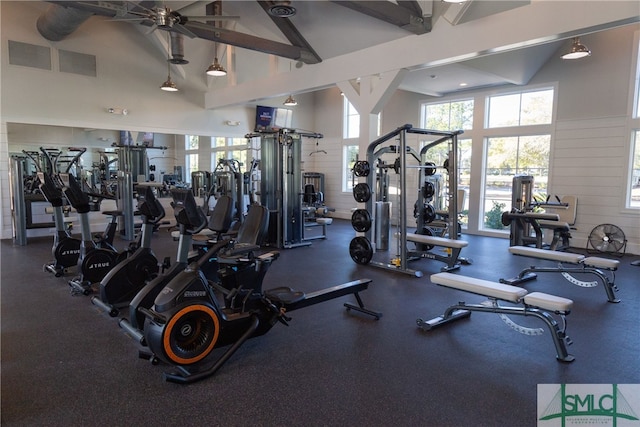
(392, 13)
(291, 33)
(247, 41)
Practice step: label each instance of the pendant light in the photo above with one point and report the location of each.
(169, 86)
(578, 50)
(216, 69)
(290, 101)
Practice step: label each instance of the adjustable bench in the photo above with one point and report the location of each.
(452, 245)
(536, 304)
(581, 265)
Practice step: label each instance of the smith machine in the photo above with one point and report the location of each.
(281, 185)
(374, 224)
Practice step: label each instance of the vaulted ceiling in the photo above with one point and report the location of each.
(310, 32)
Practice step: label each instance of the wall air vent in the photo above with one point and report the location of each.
(77, 63)
(29, 55)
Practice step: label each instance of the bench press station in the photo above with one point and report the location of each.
(536, 304)
(581, 265)
(453, 246)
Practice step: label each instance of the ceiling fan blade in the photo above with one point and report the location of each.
(212, 18)
(183, 30)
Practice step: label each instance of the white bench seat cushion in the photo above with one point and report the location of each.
(597, 262)
(547, 254)
(479, 286)
(436, 241)
(548, 302)
(324, 221)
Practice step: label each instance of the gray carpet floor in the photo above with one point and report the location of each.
(64, 363)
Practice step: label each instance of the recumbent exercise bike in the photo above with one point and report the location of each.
(192, 315)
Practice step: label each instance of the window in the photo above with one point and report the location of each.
(229, 148)
(438, 155)
(506, 157)
(520, 109)
(448, 115)
(191, 144)
(351, 122)
(349, 157)
(634, 193)
(633, 183)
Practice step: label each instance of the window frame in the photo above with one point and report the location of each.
(633, 129)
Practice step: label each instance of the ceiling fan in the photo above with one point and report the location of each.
(164, 18)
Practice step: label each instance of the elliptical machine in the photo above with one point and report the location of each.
(93, 262)
(65, 249)
(124, 281)
(193, 315)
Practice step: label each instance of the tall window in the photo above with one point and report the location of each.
(448, 115)
(520, 109)
(520, 144)
(506, 157)
(634, 194)
(191, 144)
(229, 148)
(349, 157)
(633, 184)
(351, 122)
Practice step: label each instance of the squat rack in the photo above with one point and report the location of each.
(403, 150)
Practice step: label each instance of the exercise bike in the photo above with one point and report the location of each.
(93, 262)
(190, 219)
(124, 281)
(193, 315)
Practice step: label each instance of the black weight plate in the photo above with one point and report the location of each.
(360, 250)
(428, 213)
(431, 170)
(361, 220)
(362, 192)
(361, 168)
(428, 190)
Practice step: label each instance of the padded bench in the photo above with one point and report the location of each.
(536, 304)
(452, 259)
(580, 265)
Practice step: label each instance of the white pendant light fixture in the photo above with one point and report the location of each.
(578, 50)
(216, 69)
(169, 86)
(290, 101)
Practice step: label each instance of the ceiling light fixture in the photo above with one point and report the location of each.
(290, 101)
(578, 50)
(169, 86)
(216, 69)
(454, 1)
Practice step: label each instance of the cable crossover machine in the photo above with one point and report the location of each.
(372, 223)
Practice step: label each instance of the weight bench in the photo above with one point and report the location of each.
(536, 304)
(581, 265)
(453, 247)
